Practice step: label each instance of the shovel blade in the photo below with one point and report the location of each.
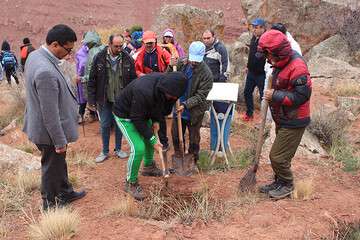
(182, 165)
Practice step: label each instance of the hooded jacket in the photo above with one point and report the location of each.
(94, 39)
(290, 104)
(179, 49)
(145, 99)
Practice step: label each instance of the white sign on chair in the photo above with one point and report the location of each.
(224, 92)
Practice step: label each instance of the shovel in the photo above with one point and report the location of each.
(181, 162)
(163, 164)
(248, 182)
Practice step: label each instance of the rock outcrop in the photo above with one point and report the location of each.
(188, 22)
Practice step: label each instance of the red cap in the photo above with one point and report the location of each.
(149, 36)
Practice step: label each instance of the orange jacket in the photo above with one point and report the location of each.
(163, 58)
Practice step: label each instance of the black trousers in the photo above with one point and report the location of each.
(54, 175)
(194, 136)
(11, 72)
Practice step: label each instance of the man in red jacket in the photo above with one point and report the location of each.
(289, 101)
(151, 57)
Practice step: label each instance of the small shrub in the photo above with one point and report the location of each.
(60, 223)
(240, 160)
(341, 151)
(344, 230)
(303, 190)
(328, 127)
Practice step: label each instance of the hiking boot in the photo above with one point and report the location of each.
(102, 157)
(135, 190)
(121, 154)
(282, 191)
(152, 170)
(267, 188)
(247, 118)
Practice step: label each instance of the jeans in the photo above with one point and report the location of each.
(214, 133)
(253, 81)
(106, 121)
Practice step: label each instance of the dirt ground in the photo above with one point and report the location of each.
(336, 197)
(33, 18)
(336, 193)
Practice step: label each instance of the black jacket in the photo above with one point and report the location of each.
(99, 79)
(145, 99)
(255, 65)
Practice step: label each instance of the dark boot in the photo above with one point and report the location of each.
(135, 190)
(272, 186)
(283, 190)
(152, 170)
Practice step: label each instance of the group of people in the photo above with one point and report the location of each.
(133, 82)
(8, 61)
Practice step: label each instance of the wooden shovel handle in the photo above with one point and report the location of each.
(163, 166)
(260, 142)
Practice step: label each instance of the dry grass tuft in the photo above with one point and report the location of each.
(347, 89)
(82, 159)
(3, 230)
(304, 189)
(60, 223)
(106, 32)
(28, 181)
(125, 207)
(15, 189)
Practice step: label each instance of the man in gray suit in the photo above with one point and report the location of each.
(51, 114)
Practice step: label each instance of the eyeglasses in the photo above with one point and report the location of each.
(68, 50)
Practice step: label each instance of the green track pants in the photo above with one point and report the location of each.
(139, 148)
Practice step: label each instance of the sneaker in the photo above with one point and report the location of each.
(121, 154)
(102, 157)
(247, 118)
(282, 191)
(135, 190)
(152, 170)
(269, 187)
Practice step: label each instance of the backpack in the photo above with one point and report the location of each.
(8, 60)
